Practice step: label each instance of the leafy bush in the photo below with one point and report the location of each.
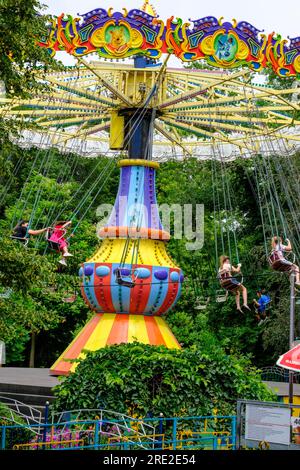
(137, 379)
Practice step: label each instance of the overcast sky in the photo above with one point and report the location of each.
(281, 16)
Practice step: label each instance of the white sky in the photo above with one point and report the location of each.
(281, 16)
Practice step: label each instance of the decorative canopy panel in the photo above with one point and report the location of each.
(117, 35)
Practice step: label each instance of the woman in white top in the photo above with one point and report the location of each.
(225, 271)
(278, 248)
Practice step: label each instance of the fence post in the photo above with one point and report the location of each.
(96, 437)
(46, 415)
(215, 443)
(233, 432)
(238, 425)
(3, 437)
(174, 434)
(160, 428)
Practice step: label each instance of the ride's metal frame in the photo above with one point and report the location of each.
(216, 107)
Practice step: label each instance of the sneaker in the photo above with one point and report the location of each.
(63, 261)
(261, 322)
(67, 254)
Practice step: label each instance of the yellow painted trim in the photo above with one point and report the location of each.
(112, 249)
(139, 162)
(167, 335)
(137, 330)
(99, 336)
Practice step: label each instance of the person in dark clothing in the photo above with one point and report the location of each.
(21, 231)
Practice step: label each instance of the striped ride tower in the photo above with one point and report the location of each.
(133, 244)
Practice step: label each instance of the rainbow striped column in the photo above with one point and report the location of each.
(123, 314)
(106, 329)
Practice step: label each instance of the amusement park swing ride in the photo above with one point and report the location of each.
(144, 113)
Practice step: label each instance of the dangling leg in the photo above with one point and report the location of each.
(65, 250)
(297, 272)
(245, 297)
(237, 300)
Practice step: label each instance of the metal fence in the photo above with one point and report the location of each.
(196, 432)
(278, 374)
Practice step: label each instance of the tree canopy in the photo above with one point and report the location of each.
(21, 25)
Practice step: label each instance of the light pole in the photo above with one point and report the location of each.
(292, 331)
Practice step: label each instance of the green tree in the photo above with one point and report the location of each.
(137, 379)
(21, 25)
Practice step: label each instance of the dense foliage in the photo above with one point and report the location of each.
(138, 379)
(21, 25)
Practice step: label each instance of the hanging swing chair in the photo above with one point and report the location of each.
(282, 264)
(52, 244)
(126, 277)
(5, 293)
(228, 282)
(23, 240)
(201, 302)
(221, 296)
(69, 299)
(200, 286)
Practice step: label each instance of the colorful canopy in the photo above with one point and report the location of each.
(117, 35)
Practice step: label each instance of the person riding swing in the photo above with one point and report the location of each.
(21, 232)
(277, 260)
(230, 283)
(56, 239)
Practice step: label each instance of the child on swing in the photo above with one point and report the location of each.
(57, 236)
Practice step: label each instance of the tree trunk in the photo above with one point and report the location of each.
(32, 349)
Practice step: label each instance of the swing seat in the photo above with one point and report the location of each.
(52, 244)
(229, 283)
(201, 303)
(70, 300)
(6, 294)
(20, 239)
(124, 279)
(221, 296)
(280, 264)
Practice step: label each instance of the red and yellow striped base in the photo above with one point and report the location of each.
(110, 328)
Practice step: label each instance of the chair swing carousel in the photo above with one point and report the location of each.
(148, 111)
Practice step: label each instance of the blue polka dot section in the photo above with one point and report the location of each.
(88, 270)
(102, 271)
(174, 276)
(161, 275)
(142, 273)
